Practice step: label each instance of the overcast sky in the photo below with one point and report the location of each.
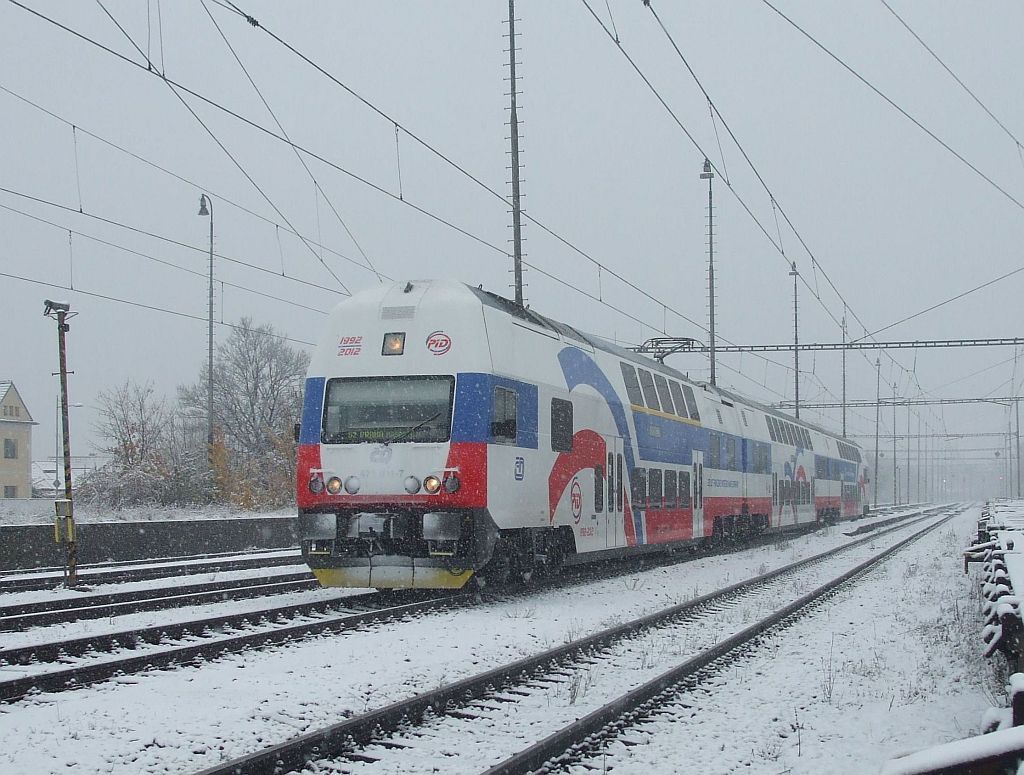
(896, 221)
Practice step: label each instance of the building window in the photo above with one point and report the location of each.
(561, 425)
(11, 449)
(503, 416)
(10, 492)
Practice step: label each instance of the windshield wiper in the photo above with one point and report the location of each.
(414, 428)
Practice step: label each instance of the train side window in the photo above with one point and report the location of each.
(638, 488)
(684, 489)
(664, 395)
(618, 483)
(654, 489)
(730, 455)
(503, 416)
(650, 393)
(715, 451)
(632, 385)
(598, 488)
(691, 403)
(677, 396)
(671, 493)
(561, 425)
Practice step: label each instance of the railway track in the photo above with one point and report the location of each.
(70, 664)
(65, 610)
(469, 723)
(119, 573)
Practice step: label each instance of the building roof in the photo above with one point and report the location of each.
(6, 387)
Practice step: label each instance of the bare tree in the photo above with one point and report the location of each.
(257, 384)
(132, 421)
(154, 456)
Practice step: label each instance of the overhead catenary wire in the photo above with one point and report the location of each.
(152, 258)
(140, 305)
(370, 184)
(903, 112)
(298, 155)
(154, 235)
(199, 186)
(231, 156)
(953, 75)
(776, 206)
(255, 23)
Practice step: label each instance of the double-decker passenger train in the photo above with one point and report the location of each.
(449, 433)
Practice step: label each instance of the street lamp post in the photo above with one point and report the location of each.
(878, 409)
(206, 208)
(796, 343)
(708, 175)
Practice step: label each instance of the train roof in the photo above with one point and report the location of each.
(524, 313)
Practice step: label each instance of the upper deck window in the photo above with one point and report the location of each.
(388, 409)
(632, 385)
(650, 394)
(664, 395)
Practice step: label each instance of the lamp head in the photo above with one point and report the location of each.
(202, 205)
(49, 307)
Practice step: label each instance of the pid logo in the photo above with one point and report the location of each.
(439, 343)
(576, 500)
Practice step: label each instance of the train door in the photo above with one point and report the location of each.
(698, 493)
(775, 496)
(614, 528)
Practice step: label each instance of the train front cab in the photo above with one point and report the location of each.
(392, 484)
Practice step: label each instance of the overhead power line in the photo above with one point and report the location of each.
(198, 186)
(224, 148)
(140, 305)
(297, 154)
(153, 235)
(953, 75)
(956, 154)
(379, 189)
(161, 261)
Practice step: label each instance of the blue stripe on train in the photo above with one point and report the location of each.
(312, 411)
(473, 397)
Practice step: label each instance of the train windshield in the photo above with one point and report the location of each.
(388, 409)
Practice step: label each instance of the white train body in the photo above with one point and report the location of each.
(445, 428)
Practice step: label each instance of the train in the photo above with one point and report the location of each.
(449, 434)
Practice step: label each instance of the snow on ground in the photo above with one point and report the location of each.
(186, 719)
(889, 666)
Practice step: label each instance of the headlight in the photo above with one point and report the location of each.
(412, 485)
(316, 484)
(452, 483)
(352, 485)
(334, 485)
(431, 484)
